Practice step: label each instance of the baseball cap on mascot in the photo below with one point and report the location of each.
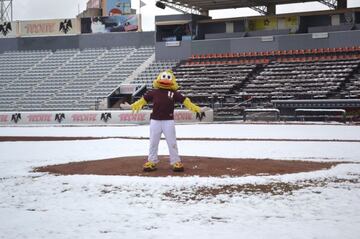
(166, 80)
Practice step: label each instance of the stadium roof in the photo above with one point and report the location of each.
(225, 4)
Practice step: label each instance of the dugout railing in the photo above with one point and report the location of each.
(320, 115)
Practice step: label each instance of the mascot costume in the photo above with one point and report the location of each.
(164, 96)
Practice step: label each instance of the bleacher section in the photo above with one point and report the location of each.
(204, 81)
(77, 79)
(19, 65)
(352, 87)
(152, 71)
(216, 79)
(65, 79)
(301, 79)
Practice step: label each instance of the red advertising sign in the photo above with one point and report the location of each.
(132, 117)
(4, 118)
(183, 116)
(37, 28)
(48, 27)
(39, 117)
(85, 117)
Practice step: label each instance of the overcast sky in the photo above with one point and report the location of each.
(52, 9)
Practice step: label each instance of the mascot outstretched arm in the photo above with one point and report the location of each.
(138, 105)
(164, 96)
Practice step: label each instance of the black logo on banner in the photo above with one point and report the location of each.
(16, 117)
(200, 116)
(105, 117)
(5, 28)
(59, 117)
(65, 26)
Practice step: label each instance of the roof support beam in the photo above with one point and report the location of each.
(260, 9)
(180, 8)
(6, 10)
(269, 9)
(330, 3)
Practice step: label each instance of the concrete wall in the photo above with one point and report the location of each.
(106, 40)
(186, 48)
(93, 117)
(8, 44)
(253, 44)
(164, 52)
(48, 43)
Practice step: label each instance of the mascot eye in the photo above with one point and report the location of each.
(164, 76)
(169, 77)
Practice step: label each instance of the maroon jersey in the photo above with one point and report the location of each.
(163, 103)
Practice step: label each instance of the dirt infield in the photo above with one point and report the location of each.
(199, 166)
(194, 165)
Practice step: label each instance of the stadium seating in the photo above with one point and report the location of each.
(352, 87)
(301, 79)
(283, 74)
(152, 71)
(65, 79)
(19, 72)
(79, 79)
(206, 80)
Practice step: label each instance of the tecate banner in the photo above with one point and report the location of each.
(48, 27)
(8, 29)
(95, 117)
(123, 23)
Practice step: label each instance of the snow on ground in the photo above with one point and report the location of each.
(260, 131)
(38, 205)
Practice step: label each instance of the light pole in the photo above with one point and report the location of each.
(6, 10)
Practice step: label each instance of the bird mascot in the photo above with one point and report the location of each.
(164, 95)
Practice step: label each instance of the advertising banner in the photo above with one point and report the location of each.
(116, 7)
(48, 27)
(291, 23)
(274, 23)
(123, 23)
(8, 29)
(266, 23)
(94, 117)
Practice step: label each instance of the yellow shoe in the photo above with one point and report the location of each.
(149, 166)
(178, 167)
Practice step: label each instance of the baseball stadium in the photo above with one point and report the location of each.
(243, 126)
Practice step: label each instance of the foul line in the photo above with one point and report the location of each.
(65, 138)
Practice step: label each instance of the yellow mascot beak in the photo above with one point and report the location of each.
(166, 80)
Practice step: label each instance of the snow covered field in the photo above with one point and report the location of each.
(38, 205)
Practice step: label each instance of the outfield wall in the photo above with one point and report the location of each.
(92, 117)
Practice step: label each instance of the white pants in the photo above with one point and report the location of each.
(157, 127)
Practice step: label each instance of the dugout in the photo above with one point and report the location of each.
(320, 115)
(261, 114)
(325, 108)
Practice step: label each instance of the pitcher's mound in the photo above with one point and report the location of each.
(199, 166)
